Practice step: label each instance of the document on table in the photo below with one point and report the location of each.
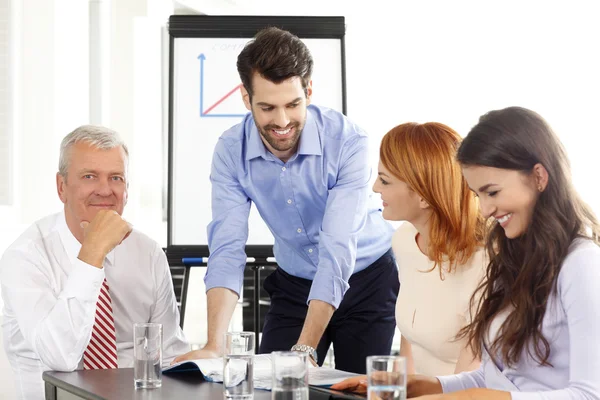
(212, 370)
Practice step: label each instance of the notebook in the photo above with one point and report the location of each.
(212, 370)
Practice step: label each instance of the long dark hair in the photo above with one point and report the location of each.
(276, 55)
(523, 272)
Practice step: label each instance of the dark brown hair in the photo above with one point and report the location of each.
(424, 156)
(276, 55)
(523, 272)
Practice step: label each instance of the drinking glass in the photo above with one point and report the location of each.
(386, 377)
(238, 365)
(147, 355)
(290, 375)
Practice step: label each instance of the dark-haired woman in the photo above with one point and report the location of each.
(537, 328)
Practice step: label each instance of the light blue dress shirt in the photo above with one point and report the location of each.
(316, 204)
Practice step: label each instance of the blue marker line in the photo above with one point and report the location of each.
(194, 260)
(201, 57)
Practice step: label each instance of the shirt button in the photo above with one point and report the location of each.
(283, 168)
(289, 201)
(310, 250)
(299, 230)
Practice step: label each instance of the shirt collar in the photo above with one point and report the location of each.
(256, 147)
(310, 142)
(71, 244)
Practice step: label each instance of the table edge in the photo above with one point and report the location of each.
(57, 383)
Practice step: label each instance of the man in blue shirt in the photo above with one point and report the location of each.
(306, 169)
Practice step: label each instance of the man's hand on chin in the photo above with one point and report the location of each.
(105, 232)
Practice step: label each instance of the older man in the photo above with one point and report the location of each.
(75, 282)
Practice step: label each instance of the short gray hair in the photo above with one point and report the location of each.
(97, 136)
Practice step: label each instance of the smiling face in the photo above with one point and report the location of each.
(96, 180)
(507, 195)
(400, 202)
(279, 112)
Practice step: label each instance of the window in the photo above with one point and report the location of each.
(5, 105)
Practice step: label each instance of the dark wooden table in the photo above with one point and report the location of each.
(117, 384)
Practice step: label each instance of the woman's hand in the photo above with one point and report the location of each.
(356, 384)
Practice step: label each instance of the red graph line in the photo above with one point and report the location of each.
(223, 98)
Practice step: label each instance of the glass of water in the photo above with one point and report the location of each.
(147, 355)
(290, 375)
(386, 377)
(238, 365)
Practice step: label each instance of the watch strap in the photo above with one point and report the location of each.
(304, 348)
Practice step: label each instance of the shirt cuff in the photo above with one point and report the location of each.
(328, 288)
(84, 282)
(230, 280)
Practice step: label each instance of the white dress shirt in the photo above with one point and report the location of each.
(50, 301)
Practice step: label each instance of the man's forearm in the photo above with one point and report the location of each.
(59, 335)
(221, 303)
(317, 319)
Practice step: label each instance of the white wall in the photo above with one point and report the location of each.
(453, 61)
(435, 60)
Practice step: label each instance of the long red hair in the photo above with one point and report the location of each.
(424, 156)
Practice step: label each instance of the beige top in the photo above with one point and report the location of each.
(430, 311)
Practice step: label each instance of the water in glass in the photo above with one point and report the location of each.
(300, 393)
(147, 373)
(388, 392)
(238, 374)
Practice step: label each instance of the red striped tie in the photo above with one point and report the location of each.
(101, 352)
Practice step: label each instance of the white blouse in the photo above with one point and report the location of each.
(430, 311)
(572, 327)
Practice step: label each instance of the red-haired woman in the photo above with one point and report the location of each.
(439, 249)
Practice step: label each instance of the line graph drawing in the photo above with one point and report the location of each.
(208, 111)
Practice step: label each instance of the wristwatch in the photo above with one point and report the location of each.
(306, 349)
